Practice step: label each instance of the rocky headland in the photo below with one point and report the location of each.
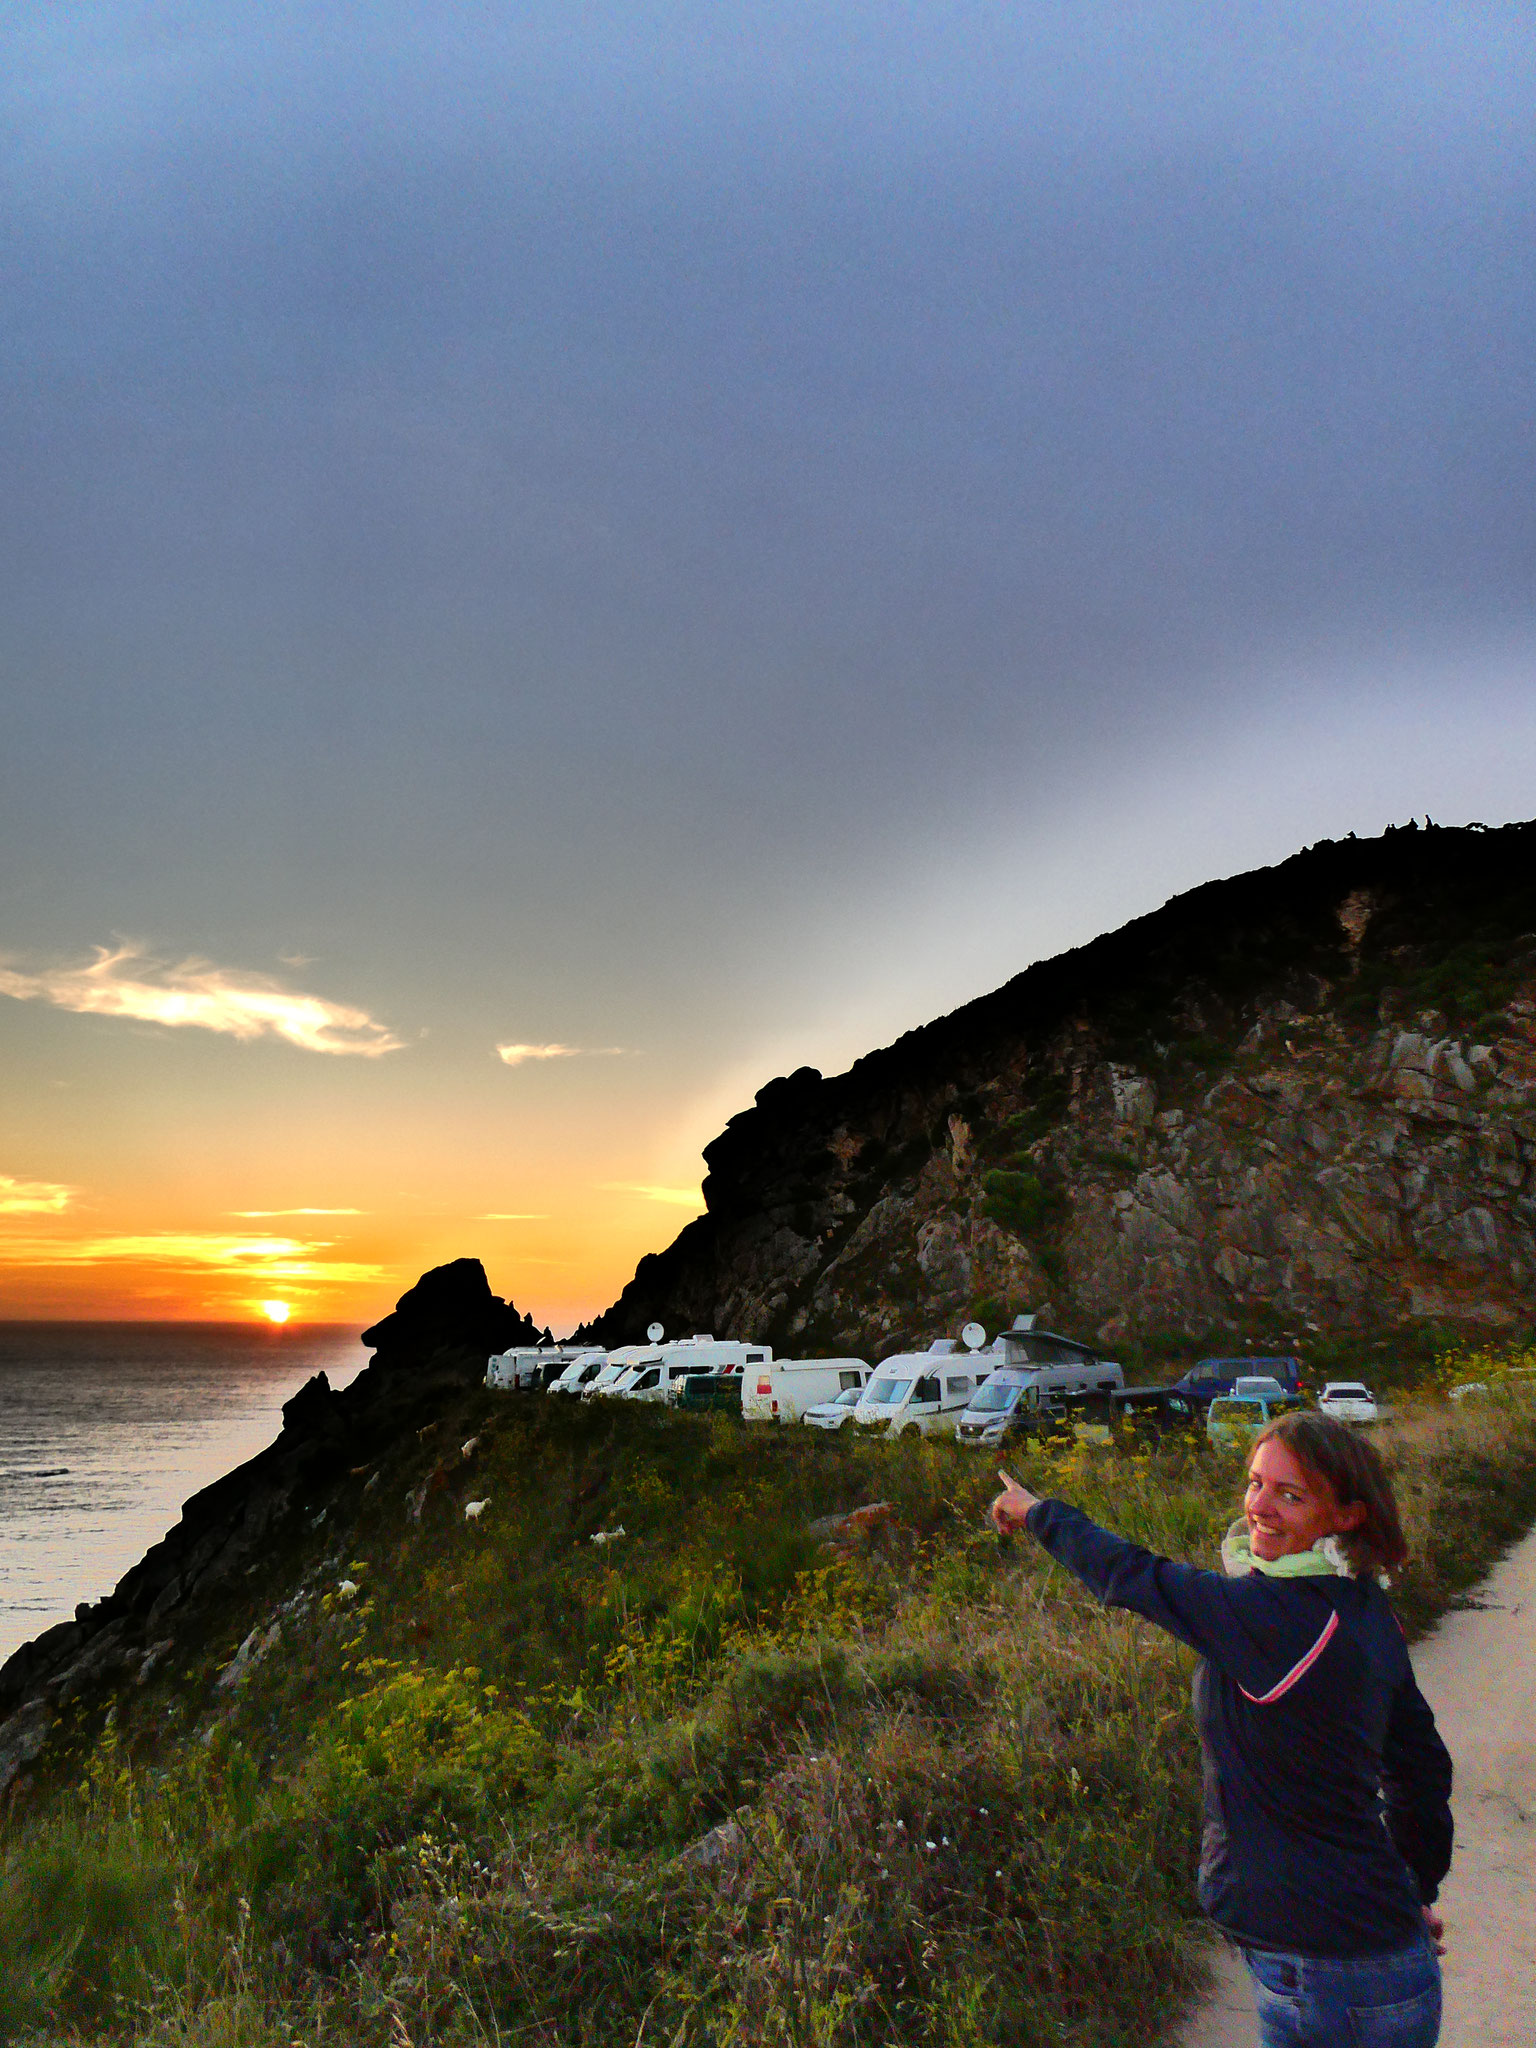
(1297, 1106)
(291, 1499)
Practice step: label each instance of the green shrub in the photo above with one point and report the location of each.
(1021, 1201)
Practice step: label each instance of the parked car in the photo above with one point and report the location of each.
(1349, 1401)
(835, 1413)
(1232, 1420)
(783, 1389)
(1208, 1377)
(925, 1391)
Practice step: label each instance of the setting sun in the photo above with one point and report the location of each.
(275, 1311)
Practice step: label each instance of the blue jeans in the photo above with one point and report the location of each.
(1388, 2001)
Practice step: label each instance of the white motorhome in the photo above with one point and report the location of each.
(923, 1390)
(655, 1372)
(614, 1368)
(579, 1373)
(781, 1389)
(530, 1367)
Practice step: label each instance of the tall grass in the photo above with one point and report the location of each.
(711, 1783)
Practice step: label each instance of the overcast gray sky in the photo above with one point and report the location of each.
(715, 531)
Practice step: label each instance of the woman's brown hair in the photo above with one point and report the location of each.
(1350, 1466)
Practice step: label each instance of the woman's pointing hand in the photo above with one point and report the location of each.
(1011, 1505)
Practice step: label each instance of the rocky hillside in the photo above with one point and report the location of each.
(1300, 1104)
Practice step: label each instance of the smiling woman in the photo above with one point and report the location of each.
(1313, 1733)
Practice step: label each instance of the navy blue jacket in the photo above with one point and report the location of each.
(1327, 1788)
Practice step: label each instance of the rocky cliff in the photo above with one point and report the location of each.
(1297, 1104)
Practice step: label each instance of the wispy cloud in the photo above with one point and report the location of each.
(127, 983)
(33, 1197)
(251, 1214)
(259, 1258)
(516, 1055)
(678, 1198)
(507, 1216)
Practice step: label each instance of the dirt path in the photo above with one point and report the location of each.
(1478, 1672)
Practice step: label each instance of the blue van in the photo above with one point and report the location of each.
(1208, 1378)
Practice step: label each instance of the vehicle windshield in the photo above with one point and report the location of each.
(850, 1397)
(1350, 1389)
(1238, 1411)
(884, 1393)
(993, 1399)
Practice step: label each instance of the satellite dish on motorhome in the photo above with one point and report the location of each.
(655, 1332)
(973, 1336)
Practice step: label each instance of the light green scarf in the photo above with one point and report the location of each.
(1324, 1560)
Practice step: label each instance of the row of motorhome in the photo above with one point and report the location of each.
(973, 1390)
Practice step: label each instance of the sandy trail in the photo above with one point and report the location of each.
(1478, 1671)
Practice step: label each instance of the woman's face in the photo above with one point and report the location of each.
(1287, 1508)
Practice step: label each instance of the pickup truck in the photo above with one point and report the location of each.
(1209, 1377)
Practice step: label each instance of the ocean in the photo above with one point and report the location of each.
(106, 1428)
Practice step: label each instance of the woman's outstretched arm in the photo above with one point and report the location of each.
(1248, 1627)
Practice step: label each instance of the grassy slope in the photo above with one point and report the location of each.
(964, 1797)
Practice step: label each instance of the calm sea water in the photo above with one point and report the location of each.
(106, 1428)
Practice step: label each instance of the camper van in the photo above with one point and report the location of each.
(655, 1372)
(1044, 1375)
(531, 1368)
(923, 1390)
(782, 1389)
(617, 1367)
(578, 1372)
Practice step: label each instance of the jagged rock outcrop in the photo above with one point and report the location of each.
(450, 1306)
(434, 1344)
(1299, 1101)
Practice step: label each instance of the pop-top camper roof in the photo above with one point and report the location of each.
(1028, 1343)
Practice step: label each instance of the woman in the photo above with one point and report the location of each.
(1327, 1788)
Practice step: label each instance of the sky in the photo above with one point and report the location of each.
(558, 562)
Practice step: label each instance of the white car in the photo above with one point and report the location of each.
(1348, 1401)
(833, 1414)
